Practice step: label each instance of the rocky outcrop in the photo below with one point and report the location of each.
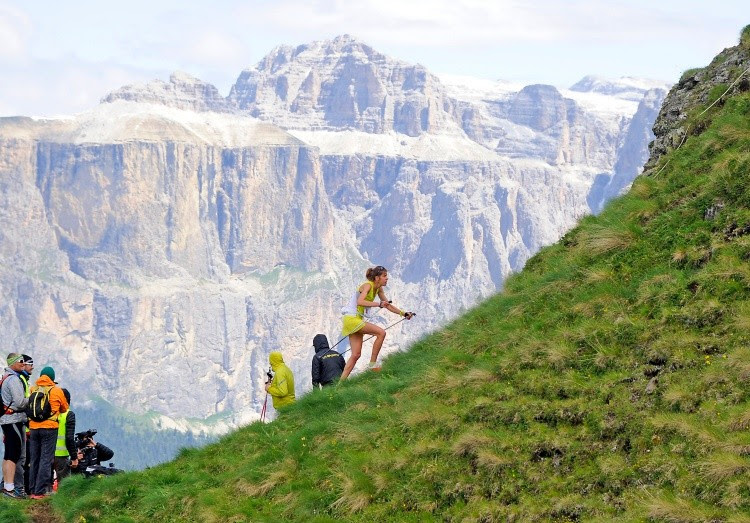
(695, 91)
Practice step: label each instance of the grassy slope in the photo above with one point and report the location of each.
(536, 405)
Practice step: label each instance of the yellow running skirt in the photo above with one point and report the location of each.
(351, 324)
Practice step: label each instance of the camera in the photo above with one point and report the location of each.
(84, 439)
(270, 376)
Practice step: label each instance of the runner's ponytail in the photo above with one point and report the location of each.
(374, 272)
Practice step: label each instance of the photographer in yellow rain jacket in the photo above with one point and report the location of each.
(281, 388)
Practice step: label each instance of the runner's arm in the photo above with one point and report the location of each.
(389, 305)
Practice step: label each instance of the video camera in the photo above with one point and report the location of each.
(270, 376)
(85, 438)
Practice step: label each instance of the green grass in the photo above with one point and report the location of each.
(610, 381)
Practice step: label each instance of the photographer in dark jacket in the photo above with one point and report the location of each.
(327, 364)
(90, 453)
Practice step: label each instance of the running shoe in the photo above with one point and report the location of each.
(11, 494)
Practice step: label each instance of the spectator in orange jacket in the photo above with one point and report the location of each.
(43, 436)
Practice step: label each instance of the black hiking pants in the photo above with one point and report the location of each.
(43, 443)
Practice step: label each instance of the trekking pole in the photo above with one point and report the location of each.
(265, 401)
(263, 411)
(371, 337)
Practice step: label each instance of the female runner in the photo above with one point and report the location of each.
(354, 322)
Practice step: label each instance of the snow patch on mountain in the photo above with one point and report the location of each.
(123, 121)
(478, 89)
(429, 147)
(606, 106)
(625, 87)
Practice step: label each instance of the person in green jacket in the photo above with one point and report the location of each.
(281, 388)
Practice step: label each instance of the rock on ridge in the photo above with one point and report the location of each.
(183, 91)
(693, 90)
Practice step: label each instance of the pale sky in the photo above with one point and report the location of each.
(63, 57)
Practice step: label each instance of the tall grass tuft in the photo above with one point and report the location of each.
(722, 466)
(282, 474)
(356, 493)
(470, 443)
(741, 422)
(598, 240)
(673, 510)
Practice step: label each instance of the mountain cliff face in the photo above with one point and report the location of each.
(122, 254)
(170, 235)
(632, 153)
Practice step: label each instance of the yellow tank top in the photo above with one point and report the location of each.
(370, 297)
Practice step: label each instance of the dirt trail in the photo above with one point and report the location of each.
(41, 512)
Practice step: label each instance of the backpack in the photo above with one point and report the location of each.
(39, 408)
(3, 408)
